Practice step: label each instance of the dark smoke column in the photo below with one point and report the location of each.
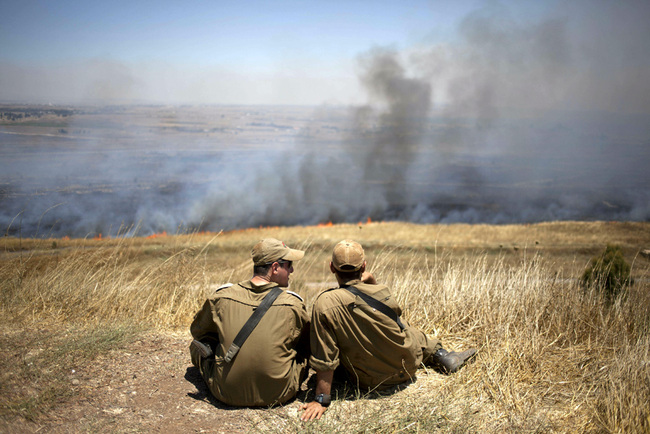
(390, 145)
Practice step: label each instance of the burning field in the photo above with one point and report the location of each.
(119, 220)
(505, 121)
(142, 170)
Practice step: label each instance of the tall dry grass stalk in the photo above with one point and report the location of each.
(552, 356)
(106, 283)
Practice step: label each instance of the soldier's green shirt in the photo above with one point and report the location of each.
(368, 343)
(268, 368)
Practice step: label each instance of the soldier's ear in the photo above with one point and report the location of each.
(363, 267)
(332, 269)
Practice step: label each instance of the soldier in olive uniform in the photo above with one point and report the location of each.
(272, 362)
(375, 346)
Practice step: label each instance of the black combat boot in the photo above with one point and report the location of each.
(450, 362)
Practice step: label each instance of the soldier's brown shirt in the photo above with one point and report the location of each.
(269, 365)
(369, 344)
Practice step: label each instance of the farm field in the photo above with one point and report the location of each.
(95, 331)
(85, 171)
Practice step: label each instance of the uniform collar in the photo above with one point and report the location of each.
(249, 285)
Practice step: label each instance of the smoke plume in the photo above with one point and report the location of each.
(508, 122)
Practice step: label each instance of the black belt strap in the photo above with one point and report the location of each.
(374, 303)
(252, 322)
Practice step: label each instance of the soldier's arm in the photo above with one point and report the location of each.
(203, 327)
(314, 410)
(368, 278)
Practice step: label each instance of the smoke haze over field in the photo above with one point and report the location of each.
(511, 120)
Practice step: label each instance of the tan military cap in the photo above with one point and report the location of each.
(270, 250)
(348, 256)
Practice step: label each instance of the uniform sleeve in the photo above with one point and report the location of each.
(324, 348)
(203, 327)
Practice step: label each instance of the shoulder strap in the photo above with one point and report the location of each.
(252, 322)
(224, 286)
(295, 295)
(374, 303)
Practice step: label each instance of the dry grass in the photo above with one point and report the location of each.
(38, 364)
(552, 357)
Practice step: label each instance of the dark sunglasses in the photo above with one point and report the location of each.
(281, 262)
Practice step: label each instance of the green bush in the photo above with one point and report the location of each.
(609, 272)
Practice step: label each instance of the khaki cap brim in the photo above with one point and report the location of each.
(270, 250)
(293, 255)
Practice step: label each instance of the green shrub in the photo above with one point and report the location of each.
(609, 272)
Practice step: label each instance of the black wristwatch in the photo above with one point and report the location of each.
(323, 399)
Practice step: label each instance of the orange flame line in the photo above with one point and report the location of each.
(162, 234)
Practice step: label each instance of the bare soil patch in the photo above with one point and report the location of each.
(148, 386)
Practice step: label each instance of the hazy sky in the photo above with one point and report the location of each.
(267, 52)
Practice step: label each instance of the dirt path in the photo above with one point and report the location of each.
(149, 386)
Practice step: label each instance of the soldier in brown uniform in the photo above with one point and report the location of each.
(375, 346)
(272, 362)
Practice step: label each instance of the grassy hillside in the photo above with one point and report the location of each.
(552, 355)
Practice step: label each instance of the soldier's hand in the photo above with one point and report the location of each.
(366, 277)
(313, 410)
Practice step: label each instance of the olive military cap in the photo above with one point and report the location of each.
(270, 250)
(348, 256)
